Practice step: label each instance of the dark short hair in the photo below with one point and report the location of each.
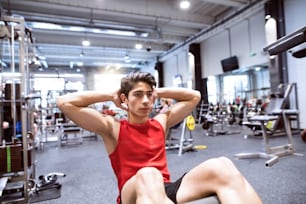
(128, 82)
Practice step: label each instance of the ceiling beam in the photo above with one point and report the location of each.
(227, 2)
(88, 10)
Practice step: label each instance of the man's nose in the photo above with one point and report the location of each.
(145, 99)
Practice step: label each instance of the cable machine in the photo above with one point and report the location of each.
(16, 152)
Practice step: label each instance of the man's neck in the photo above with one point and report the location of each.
(137, 120)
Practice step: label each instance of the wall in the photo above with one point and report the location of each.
(176, 64)
(247, 36)
(216, 48)
(246, 40)
(295, 16)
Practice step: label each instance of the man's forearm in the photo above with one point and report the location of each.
(83, 99)
(178, 94)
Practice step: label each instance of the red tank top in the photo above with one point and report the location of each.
(138, 146)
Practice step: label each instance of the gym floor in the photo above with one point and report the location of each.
(90, 178)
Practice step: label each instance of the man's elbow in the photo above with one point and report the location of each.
(60, 102)
(197, 96)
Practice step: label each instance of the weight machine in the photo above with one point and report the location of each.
(18, 174)
(15, 39)
(213, 118)
(185, 143)
(273, 153)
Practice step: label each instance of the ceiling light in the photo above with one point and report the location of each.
(184, 4)
(257, 69)
(144, 35)
(49, 26)
(76, 28)
(120, 32)
(115, 31)
(61, 75)
(138, 46)
(85, 43)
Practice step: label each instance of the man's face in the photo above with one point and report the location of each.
(140, 99)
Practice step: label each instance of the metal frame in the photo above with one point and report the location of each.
(19, 26)
(272, 153)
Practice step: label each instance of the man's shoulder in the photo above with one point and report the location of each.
(161, 119)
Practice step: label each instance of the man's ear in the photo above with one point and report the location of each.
(123, 98)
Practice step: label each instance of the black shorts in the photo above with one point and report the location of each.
(172, 188)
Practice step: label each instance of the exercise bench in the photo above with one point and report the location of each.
(272, 153)
(70, 129)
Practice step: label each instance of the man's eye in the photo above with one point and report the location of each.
(138, 94)
(149, 94)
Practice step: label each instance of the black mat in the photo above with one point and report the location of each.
(44, 195)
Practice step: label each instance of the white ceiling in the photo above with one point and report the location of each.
(164, 23)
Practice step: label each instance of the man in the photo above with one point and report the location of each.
(136, 146)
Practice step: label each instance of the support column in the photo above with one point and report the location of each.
(159, 67)
(277, 66)
(200, 84)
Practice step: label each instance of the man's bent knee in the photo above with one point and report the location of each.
(227, 173)
(146, 181)
(148, 173)
(221, 168)
(150, 186)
